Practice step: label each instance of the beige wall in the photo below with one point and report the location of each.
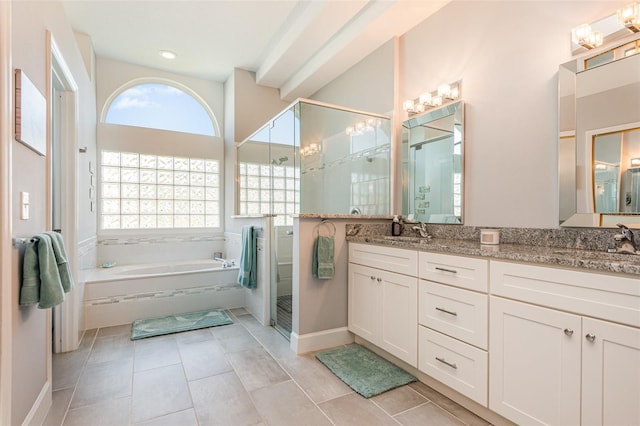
(30, 21)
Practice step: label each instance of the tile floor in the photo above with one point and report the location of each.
(239, 374)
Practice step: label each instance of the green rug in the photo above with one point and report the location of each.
(177, 323)
(363, 371)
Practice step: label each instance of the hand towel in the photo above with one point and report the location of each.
(323, 267)
(40, 270)
(60, 253)
(248, 265)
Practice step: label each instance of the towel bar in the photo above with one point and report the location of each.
(17, 242)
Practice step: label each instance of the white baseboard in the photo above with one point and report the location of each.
(40, 407)
(320, 340)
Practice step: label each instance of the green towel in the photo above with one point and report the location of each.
(40, 277)
(248, 265)
(322, 266)
(61, 259)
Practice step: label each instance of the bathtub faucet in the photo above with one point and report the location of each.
(225, 263)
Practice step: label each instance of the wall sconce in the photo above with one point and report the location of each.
(586, 37)
(635, 162)
(445, 92)
(629, 17)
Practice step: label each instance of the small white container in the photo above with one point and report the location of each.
(489, 236)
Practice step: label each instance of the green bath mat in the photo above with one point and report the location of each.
(177, 323)
(364, 372)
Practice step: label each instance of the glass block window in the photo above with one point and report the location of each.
(142, 191)
(266, 189)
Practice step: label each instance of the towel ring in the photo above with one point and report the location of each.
(330, 226)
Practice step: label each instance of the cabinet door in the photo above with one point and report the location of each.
(399, 316)
(610, 374)
(534, 363)
(363, 302)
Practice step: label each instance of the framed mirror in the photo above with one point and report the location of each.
(433, 183)
(599, 138)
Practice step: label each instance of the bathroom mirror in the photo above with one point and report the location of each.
(434, 179)
(598, 145)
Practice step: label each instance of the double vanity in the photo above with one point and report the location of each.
(536, 334)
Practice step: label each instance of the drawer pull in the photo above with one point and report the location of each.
(379, 279)
(372, 278)
(455, 314)
(453, 271)
(442, 360)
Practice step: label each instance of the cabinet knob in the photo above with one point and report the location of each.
(568, 331)
(590, 337)
(379, 279)
(372, 278)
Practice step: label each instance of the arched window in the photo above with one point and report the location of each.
(160, 106)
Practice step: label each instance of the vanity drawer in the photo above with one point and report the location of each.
(392, 259)
(456, 364)
(610, 297)
(465, 272)
(455, 312)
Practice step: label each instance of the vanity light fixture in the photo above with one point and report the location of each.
(167, 54)
(445, 92)
(635, 162)
(586, 37)
(363, 126)
(311, 149)
(629, 17)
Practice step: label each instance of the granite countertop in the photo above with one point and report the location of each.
(567, 257)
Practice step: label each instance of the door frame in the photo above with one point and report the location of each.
(66, 317)
(6, 267)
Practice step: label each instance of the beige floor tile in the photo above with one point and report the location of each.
(203, 359)
(103, 381)
(59, 406)
(155, 352)
(193, 336)
(67, 367)
(285, 404)
(222, 400)
(234, 338)
(451, 406)
(111, 348)
(113, 412)
(398, 400)
(354, 410)
(427, 414)
(118, 330)
(238, 312)
(315, 379)
(181, 418)
(159, 392)
(256, 368)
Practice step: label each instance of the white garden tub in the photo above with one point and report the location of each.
(122, 294)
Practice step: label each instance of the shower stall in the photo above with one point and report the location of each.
(311, 158)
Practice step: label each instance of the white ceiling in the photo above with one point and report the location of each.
(297, 46)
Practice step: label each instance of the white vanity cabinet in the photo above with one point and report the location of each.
(383, 305)
(551, 362)
(453, 322)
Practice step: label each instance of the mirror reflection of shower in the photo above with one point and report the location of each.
(279, 161)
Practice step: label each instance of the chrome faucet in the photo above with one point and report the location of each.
(421, 227)
(625, 242)
(225, 263)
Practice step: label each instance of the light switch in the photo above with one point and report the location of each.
(24, 205)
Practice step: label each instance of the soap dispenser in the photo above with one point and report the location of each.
(396, 226)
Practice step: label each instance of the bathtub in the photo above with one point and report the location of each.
(122, 294)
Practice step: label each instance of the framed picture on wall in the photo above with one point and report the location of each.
(31, 114)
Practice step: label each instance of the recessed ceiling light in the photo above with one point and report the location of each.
(167, 54)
